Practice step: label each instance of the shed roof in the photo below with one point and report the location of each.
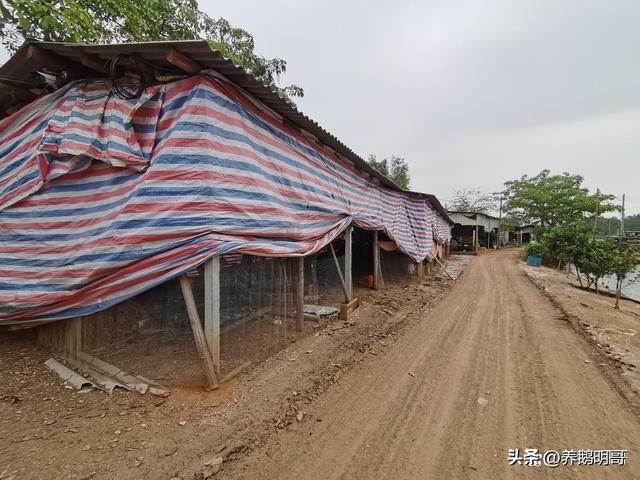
(472, 214)
(84, 60)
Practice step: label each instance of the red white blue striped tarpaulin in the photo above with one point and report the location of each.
(103, 198)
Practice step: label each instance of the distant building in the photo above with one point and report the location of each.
(473, 230)
(520, 235)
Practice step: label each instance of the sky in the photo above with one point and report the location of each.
(470, 93)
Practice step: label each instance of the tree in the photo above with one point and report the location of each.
(572, 243)
(394, 168)
(547, 200)
(472, 201)
(626, 262)
(567, 243)
(113, 21)
(599, 259)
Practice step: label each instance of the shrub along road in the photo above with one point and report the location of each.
(494, 366)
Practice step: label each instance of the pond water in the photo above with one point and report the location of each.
(631, 286)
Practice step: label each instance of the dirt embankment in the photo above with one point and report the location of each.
(48, 431)
(615, 333)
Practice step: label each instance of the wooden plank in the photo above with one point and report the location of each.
(212, 309)
(348, 245)
(235, 372)
(181, 61)
(376, 261)
(344, 286)
(347, 309)
(198, 333)
(420, 270)
(300, 295)
(72, 337)
(444, 269)
(344, 311)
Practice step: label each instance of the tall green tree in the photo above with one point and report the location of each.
(113, 21)
(394, 168)
(547, 200)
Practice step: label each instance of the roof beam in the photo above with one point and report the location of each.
(181, 61)
(48, 60)
(18, 92)
(93, 62)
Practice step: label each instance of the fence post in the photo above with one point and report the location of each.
(212, 309)
(348, 280)
(198, 333)
(300, 295)
(376, 261)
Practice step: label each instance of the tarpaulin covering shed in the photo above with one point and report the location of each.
(102, 198)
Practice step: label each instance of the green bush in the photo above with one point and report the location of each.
(537, 249)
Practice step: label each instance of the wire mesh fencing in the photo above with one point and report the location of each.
(258, 308)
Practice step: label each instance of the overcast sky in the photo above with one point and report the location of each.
(470, 93)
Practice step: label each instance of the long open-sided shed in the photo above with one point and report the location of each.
(125, 166)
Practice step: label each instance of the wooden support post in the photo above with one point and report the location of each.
(72, 337)
(348, 279)
(285, 295)
(376, 261)
(420, 270)
(300, 295)
(212, 309)
(443, 269)
(198, 333)
(344, 285)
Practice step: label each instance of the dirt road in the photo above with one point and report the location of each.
(494, 366)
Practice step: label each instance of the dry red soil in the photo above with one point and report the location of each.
(431, 381)
(494, 366)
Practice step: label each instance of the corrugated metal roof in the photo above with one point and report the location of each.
(19, 70)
